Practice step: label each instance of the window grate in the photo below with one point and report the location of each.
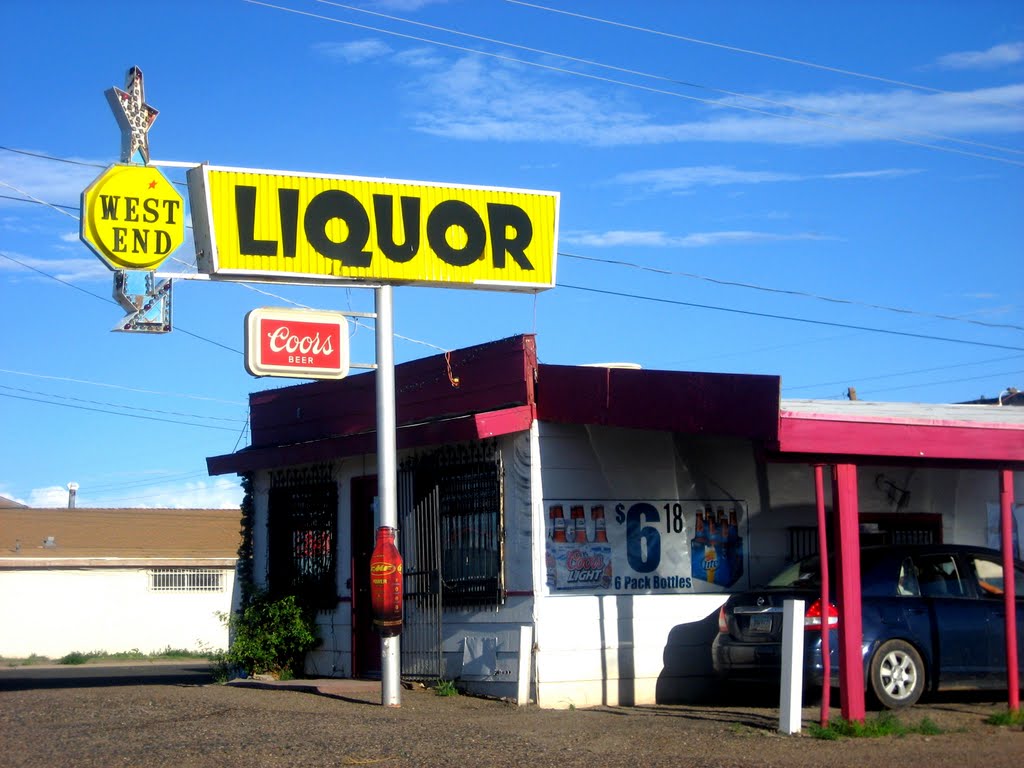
(186, 580)
(467, 481)
(303, 511)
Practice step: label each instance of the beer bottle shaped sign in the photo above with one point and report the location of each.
(386, 584)
(557, 538)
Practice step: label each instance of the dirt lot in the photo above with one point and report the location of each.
(149, 721)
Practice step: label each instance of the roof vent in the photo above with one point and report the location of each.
(72, 492)
(629, 366)
(49, 543)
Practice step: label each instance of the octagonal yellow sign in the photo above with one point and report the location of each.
(132, 217)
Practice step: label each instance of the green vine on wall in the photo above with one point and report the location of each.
(244, 572)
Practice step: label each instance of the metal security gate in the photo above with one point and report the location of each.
(419, 541)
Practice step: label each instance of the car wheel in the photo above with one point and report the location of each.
(897, 674)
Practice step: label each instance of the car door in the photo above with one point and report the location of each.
(987, 578)
(959, 621)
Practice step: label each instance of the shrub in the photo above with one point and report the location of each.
(75, 657)
(270, 636)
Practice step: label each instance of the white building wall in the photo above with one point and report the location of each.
(620, 647)
(626, 646)
(53, 612)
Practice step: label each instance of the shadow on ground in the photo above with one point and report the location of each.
(96, 676)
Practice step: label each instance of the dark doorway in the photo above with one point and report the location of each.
(365, 642)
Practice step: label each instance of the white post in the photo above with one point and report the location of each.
(387, 472)
(792, 681)
(525, 664)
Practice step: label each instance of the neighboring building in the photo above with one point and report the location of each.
(1011, 396)
(502, 459)
(115, 579)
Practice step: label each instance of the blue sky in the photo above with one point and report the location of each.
(826, 192)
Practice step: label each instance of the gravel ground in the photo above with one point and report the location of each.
(173, 723)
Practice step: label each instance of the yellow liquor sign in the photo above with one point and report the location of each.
(281, 226)
(132, 217)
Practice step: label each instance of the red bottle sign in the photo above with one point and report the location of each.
(386, 584)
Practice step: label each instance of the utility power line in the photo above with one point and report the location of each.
(947, 381)
(105, 300)
(118, 413)
(905, 373)
(637, 86)
(675, 81)
(639, 297)
(120, 405)
(39, 202)
(735, 49)
(789, 292)
(120, 386)
(50, 157)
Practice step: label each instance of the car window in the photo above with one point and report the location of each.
(938, 576)
(907, 583)
(805, 573)
(989, 574)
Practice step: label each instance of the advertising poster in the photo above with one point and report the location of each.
(994, 529)
(644, 546)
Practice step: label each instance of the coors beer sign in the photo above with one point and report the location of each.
(296, 343)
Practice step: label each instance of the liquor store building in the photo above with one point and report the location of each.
(570, 532)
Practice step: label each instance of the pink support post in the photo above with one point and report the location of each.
(851, 665)
(1009, 586)
(826, 686)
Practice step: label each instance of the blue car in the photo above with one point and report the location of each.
(933, 619)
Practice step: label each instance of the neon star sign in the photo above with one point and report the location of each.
(134, 116)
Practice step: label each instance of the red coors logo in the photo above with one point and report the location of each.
(297, 343)
(578, 561)
(283, 340)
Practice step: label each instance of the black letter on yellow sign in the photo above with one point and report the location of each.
(288, 205)
(455, 213)
(383, 213)
(500, 217)
(336, 204)
(245, 211)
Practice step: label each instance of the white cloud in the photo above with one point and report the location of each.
(884, 173)
(993, 58)
(405, 5)
(422, 58)
(687, 177)
(354, 52)
(655, 238)
(41, 179)
(480, 100)
(475, 100)
(53, 496)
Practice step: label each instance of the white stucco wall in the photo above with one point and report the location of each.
(52, 612)
(622, 646)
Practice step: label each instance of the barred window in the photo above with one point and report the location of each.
(463, 487)
(303, 531)
(186, 580)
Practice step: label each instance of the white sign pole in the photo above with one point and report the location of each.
(791, 696)
(387, 470)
